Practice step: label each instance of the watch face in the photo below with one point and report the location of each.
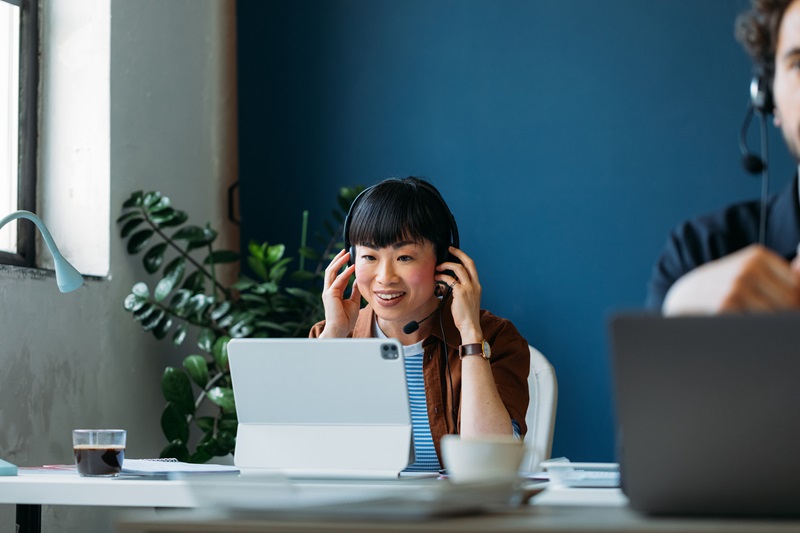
(487, 350)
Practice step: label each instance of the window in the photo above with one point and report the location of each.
(18, 124)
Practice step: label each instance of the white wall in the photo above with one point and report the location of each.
(78, 359)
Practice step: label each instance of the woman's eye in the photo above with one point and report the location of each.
(368, 257)
(405, 258)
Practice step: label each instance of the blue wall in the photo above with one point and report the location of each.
(568, 137)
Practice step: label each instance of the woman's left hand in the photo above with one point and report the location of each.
(466, 294)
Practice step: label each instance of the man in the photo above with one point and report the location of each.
(713, 263)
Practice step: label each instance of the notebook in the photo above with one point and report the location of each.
(709, 413)
(321, 408)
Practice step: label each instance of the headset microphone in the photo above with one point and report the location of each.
(761, 104)
(413, 326)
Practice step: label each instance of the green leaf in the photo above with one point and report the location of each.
(302, 275)
(200, 456)
(139, 241)
(175, 450)
(180, 335)
(189, 233)
(242, 329)
(205, 339)
(229, 425)
(222, 396)
(257, 250)
(220, 352)
(146, 312)
(128, 215)
(197, 368)
(205, 423)
(176, 219)
(275, 252)
(151, 199)
(163, 327)
(152, 320)
(179, 301)
(135, 200)
(141, 290)
(162, 204)
(154, 257)
(226, 440)
(177, 388)
(258, 267)
(133, 303)
(220, 310)
(130, 225)
(221, 256)
(195, 282)
(163, 288)
(174, 424)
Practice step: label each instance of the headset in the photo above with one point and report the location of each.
(442, 255)
(761, 104)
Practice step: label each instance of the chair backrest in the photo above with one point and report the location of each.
(541, 417)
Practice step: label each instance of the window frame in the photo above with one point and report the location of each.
(28, 131)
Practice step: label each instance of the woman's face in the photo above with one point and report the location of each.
(398, 280)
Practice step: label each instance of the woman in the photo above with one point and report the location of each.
(467, 369)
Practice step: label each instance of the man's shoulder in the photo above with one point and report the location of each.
(735, 220)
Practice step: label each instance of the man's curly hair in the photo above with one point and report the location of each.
(757, 31)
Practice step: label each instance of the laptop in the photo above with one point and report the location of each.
(708, 410)
(321, 408)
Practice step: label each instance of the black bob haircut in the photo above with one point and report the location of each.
(397, 210)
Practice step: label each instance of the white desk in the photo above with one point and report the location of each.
(553, 511)
(29, 491)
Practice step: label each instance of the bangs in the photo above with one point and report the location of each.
(396, 212)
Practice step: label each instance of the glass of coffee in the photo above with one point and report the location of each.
(99, 452)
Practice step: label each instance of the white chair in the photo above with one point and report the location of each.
(541, 417)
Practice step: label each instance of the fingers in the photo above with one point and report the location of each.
(465, 271)
(355, 293)
(765, 281)
(751, 279)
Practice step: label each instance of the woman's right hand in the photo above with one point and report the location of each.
(340, 312)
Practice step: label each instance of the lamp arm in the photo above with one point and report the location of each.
(48, 239)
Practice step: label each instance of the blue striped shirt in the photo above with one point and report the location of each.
(426, 459)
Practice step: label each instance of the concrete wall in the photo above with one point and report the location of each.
(79, 360)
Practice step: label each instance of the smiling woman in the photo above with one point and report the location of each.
(466, 368)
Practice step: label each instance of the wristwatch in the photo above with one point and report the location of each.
(478, 348)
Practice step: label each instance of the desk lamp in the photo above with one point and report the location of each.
(67, 277)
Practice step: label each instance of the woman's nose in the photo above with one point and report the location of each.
(386, 273)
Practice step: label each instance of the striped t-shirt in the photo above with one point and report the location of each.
(425, 458)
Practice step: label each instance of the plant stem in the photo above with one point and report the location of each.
(183, 252)
(303, 235)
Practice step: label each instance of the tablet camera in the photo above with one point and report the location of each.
(389, 351)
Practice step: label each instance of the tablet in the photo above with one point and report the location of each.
(321, 408)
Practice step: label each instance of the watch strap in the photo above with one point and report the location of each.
(476, 348)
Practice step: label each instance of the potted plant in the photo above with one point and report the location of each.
(187, 300)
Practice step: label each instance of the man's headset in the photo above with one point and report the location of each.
(761, 104)
(442, 254)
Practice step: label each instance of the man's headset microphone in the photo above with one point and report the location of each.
(761, 104)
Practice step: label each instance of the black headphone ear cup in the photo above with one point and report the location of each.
(352, 260)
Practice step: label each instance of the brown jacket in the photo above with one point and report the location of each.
(510, 365)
